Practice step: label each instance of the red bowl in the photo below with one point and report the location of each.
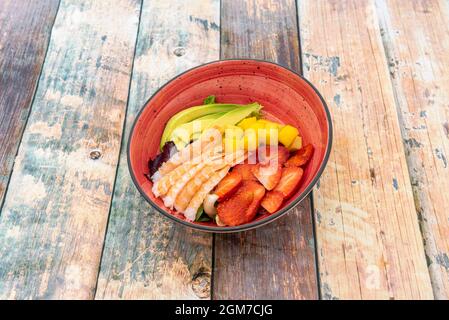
(284, 95)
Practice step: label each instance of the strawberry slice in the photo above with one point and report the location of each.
(291, 176)
(243, 205)
(258, 192)
(268, 174)
(301, 157)
(245, 171)
(272, 153)
(228, 185)
(272, 201)
(232, 212)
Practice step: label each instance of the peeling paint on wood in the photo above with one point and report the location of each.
(147, 256)
(24, 35)
(368, 236)
(54, 217)
(276, 261)
(416, 36)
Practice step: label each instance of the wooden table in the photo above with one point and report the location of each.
(74, 74)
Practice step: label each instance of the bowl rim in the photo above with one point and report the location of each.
(254, 224)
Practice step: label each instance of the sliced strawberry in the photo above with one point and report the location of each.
(228, 185)
(245, 171)
(268, 174)
(283, 155)
(291, 176)
(243, 205)
(272, 201)
(271, 153)
(301, 157)
(258, 192)
(232, 212)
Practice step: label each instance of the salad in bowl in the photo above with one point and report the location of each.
(226, 163)
(230, 145)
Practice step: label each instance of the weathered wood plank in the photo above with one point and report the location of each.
(276, 261)
(369, 242)
(146, 255)
(25, 32)
(54, 217)
(416, 39)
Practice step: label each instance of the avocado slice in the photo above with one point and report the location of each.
(196, 112)
(236, 115)
(186, 132)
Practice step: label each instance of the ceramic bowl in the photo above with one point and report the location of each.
(285, 96)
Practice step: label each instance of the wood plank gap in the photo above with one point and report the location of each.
(123, 143)
(312, 205)
(51, 235)
(10, 144)
(146, 255)
(368, 236)
(275, 261)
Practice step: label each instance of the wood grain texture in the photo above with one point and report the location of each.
(368, 237)
(416, 38)
(25, 32)
(276, 261)
(147, 256)
(54, 217)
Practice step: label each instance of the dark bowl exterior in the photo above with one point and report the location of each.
(285, 95)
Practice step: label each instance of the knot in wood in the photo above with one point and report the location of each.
(201, 285)
(180, 51)
(95, 154)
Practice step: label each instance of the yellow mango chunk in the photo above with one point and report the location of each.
(257, 125)
(263, 121)
(268, 136)
(246, 123)
(287, 134)
(271, 131)
(272, 136)
(233, 145)
(273, 125)
(261, 136)
(233, 132)
(296, 144)
(250, 140)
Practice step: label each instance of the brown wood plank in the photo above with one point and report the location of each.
(55, 212)
(24, 35)
(368, 237)
(147, 256)
(276, 261)
(416, 39)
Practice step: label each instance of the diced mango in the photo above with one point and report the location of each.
(240, 144)
(272, 136)
(273, 125)
(250, 140)
(255, 128)
(233, 132)
(246, 123)
(232, 127)
(296, 144)
(263, 121)
(232, 144)
(267, 136)
(257, 125)
(261, 136)
(287, 134)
